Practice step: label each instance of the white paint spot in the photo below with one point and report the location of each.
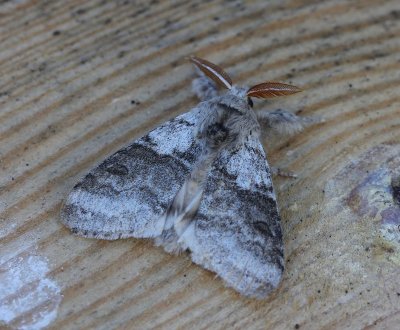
(7, 227)
(28, 299)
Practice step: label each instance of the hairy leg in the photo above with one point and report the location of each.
(283, 173)
(281, 122)
(276, 123)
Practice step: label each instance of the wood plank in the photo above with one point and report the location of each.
(80, 79)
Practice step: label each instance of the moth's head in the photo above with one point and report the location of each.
(241, 95)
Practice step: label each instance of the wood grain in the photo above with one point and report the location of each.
(80, 79)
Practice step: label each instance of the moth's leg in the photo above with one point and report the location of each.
(281, 122)
(204, 88)
(283, 173)
(276, 123)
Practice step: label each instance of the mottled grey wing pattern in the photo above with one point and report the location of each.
(128, 193)
(237, 231)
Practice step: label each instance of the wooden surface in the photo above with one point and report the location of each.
(80, 79)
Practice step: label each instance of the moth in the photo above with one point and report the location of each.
(199, 183)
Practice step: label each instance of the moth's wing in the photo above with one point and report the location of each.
(236, 232)
(128, 193)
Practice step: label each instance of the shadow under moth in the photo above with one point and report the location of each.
(199, 182)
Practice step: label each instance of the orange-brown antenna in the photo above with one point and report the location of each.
(213, 71)
(272, 89)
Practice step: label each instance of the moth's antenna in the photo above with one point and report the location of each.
(212, 71)
(272, 89)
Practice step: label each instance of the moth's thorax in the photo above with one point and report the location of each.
(240, 92)
(236, 98)
(227, 119)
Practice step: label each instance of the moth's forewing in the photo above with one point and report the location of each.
(237, 231)
(127, 194)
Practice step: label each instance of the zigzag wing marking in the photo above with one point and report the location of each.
(236, 232)
(126, 195)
